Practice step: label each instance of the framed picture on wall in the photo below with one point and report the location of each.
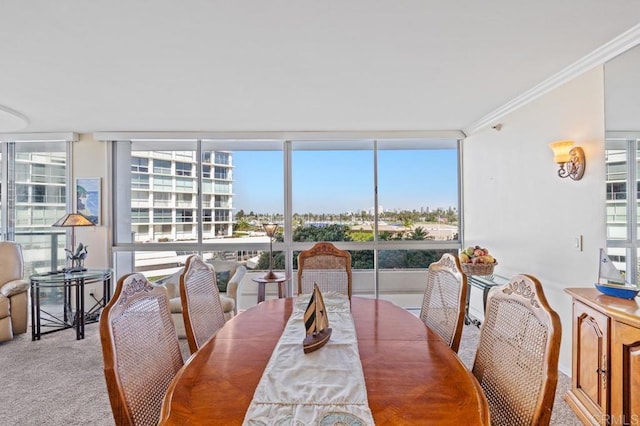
(88, 197)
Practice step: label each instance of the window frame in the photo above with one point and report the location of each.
(226, 142)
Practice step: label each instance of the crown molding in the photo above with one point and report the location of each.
(599, 56)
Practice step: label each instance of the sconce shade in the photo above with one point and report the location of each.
(73, 219)
(561, 151)
(570, 159)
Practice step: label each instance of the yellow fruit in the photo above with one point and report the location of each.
(464, 258)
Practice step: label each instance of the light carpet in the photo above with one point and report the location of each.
(59, 380)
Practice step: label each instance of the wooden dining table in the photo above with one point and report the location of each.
(411, 375)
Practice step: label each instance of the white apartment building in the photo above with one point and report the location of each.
(40, 200)
(164, 195)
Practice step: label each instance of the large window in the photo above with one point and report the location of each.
(622, 161)
(35, 188)
(394, 204)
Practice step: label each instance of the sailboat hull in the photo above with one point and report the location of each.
(625, 292)
(317, 340)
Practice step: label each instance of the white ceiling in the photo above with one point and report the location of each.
(285, 65)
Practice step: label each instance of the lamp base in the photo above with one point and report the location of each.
(271, 275)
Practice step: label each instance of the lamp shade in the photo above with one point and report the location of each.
(561, 151)
(270, 229)
(73, 219)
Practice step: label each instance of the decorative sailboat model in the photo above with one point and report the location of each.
(615, 284)
(316, 323)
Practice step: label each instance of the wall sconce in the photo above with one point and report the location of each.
(571, 159)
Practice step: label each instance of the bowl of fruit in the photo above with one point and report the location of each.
(477, 261)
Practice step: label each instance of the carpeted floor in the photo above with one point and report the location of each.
(59, 380)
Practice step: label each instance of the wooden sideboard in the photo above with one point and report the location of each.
(605, 386)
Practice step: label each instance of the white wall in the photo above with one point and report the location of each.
(622, 108)
(528, 217)
(90, 160)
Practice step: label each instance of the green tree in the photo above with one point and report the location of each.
(361, 236)
(241, 225)
(333, 232)
(418, 234)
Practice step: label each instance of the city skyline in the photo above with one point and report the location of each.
(407, 180)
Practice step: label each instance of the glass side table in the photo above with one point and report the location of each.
(73, 313)
(484, 283)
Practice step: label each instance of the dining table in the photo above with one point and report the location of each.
(412, 376)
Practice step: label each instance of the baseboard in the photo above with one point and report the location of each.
(575, 405)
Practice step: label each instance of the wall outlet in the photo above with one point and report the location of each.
(577, 243)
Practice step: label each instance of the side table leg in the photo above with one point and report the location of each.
(467, 317)
(485, 293)
(35, 311)
(81, 315)
(261, 292)
(281, 290)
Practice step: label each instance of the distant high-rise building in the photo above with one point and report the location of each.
(165, 190)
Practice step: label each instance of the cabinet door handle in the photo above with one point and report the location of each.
(601, 371)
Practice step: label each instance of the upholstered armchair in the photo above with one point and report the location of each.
(14, 291)
(229, 274)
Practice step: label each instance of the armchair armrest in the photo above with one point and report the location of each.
(14, 287)
(234, 284)
(171, 283)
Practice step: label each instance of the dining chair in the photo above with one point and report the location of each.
(516, 362)
(140, 350)
(444, 301)
(327, 266)
(201, 307)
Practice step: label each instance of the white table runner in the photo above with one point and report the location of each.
(324, 387)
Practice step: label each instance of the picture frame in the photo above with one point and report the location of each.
(89, 198)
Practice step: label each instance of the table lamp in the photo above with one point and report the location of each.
(270, 229)
(71, 220)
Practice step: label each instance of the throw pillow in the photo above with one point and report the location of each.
(222, 278)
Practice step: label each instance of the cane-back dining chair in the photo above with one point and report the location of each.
(444, 301)
(201, 306)
(327, 266)
(517, 358)
(140, 350)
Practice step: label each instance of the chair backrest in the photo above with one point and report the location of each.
(201, 307)
(11, 262)
(444, 301)
(517, 358)
(140, 350)
(327, 266)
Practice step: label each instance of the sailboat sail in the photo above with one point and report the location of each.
(607, 270)
(322, 320)
(310, 315)
(316, 322)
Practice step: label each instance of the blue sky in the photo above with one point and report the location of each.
(340, 181)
